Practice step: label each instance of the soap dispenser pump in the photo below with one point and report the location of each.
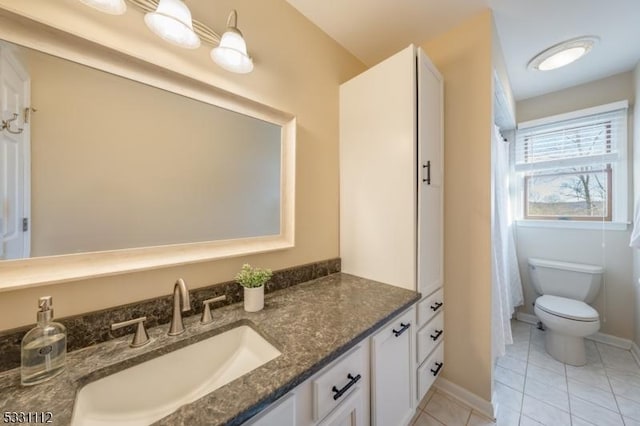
(44, 347)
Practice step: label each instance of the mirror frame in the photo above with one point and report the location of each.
(39, 271)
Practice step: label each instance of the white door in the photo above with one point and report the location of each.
(14, 157)
(430, 181)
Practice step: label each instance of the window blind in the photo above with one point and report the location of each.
(589, 139)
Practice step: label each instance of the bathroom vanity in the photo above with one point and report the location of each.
(325, 330)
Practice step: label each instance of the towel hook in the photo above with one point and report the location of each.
(6, 124)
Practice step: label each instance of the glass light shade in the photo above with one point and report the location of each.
(172, 22)
(112, 7)
(231, 53)
(563, 54)
(562, 58)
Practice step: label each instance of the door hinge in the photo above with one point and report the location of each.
(25, 224)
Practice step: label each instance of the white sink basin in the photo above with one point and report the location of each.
(150, 391)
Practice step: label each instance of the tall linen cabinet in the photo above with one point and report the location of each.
(391, 195)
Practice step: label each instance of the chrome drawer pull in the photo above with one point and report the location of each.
(438, 367)
(436, 306)
(402, 330)
(340, 392)
(438, 334)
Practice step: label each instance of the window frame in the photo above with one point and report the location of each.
(618, 183)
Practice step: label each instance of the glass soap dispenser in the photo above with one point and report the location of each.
(44, 348)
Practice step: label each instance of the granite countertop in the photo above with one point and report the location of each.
(311, 324)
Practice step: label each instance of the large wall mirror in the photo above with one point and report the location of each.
(130, 168)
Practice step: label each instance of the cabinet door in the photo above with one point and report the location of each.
(280, 413)
(349, 413)
(430, 181)
(378, 151)
(393, 372)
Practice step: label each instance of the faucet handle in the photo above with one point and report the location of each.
(206, 312)
(140, 338)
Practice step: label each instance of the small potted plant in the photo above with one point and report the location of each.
(253, 281)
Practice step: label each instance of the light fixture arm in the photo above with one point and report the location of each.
(232, 19)
(205, 33)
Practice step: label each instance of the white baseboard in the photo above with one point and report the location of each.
(635, 351)
(607, 339)
(528, 318)
(472, 400)
(610, 340)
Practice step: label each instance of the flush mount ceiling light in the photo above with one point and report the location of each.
(231, 53)
(562, 54)
(171, 20)
(112, 7)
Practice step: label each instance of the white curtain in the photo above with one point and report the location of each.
(506, 285)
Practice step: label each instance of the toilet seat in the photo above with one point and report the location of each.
(567, 308)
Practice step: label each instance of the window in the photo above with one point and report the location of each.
(573, 166)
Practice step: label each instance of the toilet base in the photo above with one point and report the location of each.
(568, 349)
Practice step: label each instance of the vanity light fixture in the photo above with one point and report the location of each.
(563, 53)
(112, 7)
(171, 20)
(231, 53)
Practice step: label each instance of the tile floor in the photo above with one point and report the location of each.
(534, 389)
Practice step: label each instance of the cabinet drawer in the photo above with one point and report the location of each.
(430, 306)
(430, 370)
(333, 386)
(349, 413)
(429, 336)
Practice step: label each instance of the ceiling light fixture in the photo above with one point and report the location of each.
(171, 20)
(563, 53)
(112, 7)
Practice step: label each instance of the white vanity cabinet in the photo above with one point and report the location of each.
(372, 384)
(391, 184)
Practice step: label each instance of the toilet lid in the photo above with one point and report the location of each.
(567, 308)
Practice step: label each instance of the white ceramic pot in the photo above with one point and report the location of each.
(253, 299)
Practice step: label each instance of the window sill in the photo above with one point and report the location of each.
(573, 224)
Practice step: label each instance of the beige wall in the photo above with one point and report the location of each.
(611, 89)
(615, 301)
(464, 57)
(157, 168)
(298, 74)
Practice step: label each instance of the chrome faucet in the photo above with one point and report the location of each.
(181, 303)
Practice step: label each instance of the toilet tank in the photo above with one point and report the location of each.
(572, 280)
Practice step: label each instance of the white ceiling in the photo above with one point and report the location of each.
(374, 29)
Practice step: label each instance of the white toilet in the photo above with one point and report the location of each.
(565, 290)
